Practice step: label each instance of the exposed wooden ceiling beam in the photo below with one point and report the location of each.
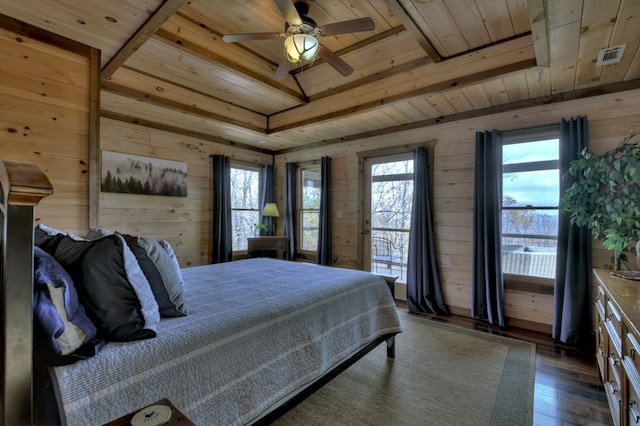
(155, 21)
(229, 64)
(175, 106)
(538, 18)
(512, 106)
(415, 93)
(399, 11)
(496, 60)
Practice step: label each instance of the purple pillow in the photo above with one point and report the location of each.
(59, 317)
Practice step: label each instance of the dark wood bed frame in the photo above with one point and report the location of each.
(22, 186)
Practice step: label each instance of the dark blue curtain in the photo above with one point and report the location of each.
(267, 195)
(222, 250)
(323, 256)
(572, 294)
(424, 292)
(487, 284)
(290, 175)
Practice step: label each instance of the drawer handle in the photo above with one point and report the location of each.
(633, 411)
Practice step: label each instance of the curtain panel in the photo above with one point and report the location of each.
(572, 293)
(290, 176)
(487, 284)
(222, 249)
(424, 291)
(267, 195)
(323, 254)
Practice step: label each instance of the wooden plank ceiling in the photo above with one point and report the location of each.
(165, 65)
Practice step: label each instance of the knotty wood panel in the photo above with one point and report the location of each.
(183, 221)
(45, 120)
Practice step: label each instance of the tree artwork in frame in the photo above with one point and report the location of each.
(134, 174)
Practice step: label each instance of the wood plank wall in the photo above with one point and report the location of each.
(45, 120)
(183, 221)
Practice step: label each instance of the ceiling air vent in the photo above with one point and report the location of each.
(611, 55)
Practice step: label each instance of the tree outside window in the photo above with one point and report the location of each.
(245, 204)
(391, 201)
(310, 208)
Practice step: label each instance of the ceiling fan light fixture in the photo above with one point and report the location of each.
(301, 48)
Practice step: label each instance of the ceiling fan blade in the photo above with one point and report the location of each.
(334, 60)
(289, 11)
(283, 70)
(233, 38)
(352, 26)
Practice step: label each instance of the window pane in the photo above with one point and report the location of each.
(245, 201)
(530, 222)
(242, 226)
(391, 204)
(528, 152)
(245, 189)
(538, 188)
(310, 230)
(392, 168)
(311, 189)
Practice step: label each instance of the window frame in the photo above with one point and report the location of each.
(300, 211)
(235, 164)
(528, 282)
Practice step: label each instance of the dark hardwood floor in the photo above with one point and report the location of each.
(568, 389)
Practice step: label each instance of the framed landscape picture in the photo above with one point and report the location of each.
(133, 174)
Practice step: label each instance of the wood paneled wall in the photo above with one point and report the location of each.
(44, 119)
(611, 117)
(183, 221)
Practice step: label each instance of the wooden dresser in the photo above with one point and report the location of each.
(618, 344)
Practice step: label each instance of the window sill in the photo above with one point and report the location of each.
(529, 284)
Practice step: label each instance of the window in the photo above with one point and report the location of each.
(391, 201)
(245, 203)
(530, 197)
(309, 208)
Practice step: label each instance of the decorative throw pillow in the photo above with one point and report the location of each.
(59, 317)
(168, 290)
(111, 286)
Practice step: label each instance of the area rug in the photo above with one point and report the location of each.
(441, 375)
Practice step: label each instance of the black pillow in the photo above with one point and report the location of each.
(111, 286)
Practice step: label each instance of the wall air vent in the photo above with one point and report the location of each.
(610, 55)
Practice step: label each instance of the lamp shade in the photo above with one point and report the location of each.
(270, 210)
(301, 48)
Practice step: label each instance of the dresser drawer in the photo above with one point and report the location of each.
(613, 323)
(601, 296)
(601, 347)
(614, 371)
(632, 354)
(633, 410)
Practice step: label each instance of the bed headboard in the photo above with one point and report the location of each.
(22, 186)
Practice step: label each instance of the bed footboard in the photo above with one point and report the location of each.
(22, 186)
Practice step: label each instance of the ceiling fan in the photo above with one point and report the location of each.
(300, 36)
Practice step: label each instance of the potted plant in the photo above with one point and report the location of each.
(258, 227)
(605, 197)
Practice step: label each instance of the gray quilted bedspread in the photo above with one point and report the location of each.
(258, 330)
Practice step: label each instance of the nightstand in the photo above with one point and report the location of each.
(271, 244)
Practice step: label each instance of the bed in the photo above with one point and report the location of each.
(260, 334)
